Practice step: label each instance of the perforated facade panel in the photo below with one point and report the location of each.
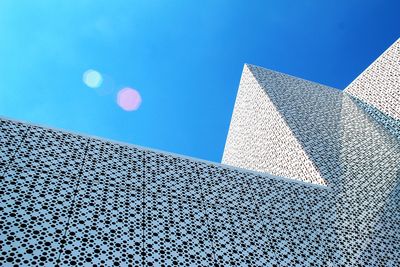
(72, 200)
(379, 85)
(285, 126)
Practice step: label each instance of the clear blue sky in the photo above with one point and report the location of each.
(184, 57)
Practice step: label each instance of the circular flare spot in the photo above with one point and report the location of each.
(92, 78)
(129, 99)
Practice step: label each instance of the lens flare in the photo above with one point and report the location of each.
(92, 78)
(129, 99)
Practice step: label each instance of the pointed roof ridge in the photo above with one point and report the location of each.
(251, 66)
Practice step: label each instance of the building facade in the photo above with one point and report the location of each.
(317, 184)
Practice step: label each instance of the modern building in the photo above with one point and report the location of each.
(310, 177)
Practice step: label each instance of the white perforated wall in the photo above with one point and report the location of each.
(70, 200)
(285, 126)
(379, 84)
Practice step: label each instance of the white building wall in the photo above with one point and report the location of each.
(285, 126)
(379, 84)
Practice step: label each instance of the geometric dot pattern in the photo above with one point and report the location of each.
(285, 126)
(70, 200)
(379, 84)
(392, 125)
(37, 188)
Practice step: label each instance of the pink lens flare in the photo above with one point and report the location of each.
(129, 99)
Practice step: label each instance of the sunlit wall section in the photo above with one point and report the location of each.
(379, 84)
(285, 126)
